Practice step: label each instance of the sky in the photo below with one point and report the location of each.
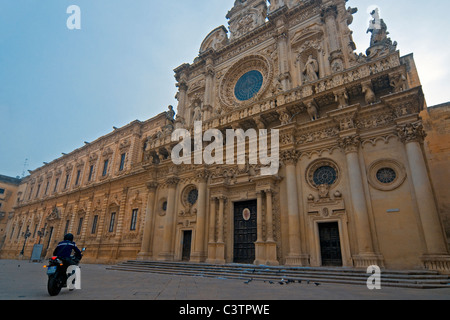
(61, 87)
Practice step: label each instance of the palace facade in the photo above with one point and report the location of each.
(355, 187)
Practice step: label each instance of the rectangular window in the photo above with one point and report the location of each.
(38, 188)
(46, 188)
(56, 184)
(105, 167)
(2, 191)
(77, 180)
(112, 221)
(91, 171)
(80, 223)
(31, 192)
(94, 224)
(133, 219)
(67, 182)
(35, 229)
(122, 161)
(66, 229)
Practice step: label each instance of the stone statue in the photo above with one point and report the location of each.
(349, 14)
(311, 69)
(197, 116)
(342, 99)
(369, 95)
(380, 44)
(312, 111)
(378, 28)
(170, 115)
(399, 83)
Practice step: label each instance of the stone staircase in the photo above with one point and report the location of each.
(419, 279)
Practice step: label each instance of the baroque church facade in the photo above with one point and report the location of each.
(353, 188)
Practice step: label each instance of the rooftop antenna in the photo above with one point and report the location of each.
(25, 164)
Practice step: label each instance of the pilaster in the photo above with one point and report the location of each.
(145, 252)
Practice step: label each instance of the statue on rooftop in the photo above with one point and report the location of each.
(380, 43)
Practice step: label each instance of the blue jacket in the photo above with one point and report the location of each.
(65, 248)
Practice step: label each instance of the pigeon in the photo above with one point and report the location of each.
(271, 282)
(248, 281)
(300, 281)
(317, 284)
(307, 281)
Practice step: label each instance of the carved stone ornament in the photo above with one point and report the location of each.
(54, 214)
(350, 144)
(216, 40)
(289, 157)
(245, 16)
(411, 132)
(172, 181)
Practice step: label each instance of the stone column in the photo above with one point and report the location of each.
(366, 256)
(289, 159)
(182, 97)
(436, 256)
(86, 221)
(169, 223)
(212, 232)
(282, 43)
(146, 238)
(271, 246)
(259, 244)
(269, 215)
(101, 220)
(101, 224)
(329, 15)
(120, 219)
(220, 245)
(199, 254)
(121, 216)
(209, 84)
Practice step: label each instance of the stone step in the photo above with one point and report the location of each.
(408, 279)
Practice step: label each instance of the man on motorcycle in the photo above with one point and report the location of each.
(64, 251)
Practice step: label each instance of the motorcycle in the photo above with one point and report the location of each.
(61, 276)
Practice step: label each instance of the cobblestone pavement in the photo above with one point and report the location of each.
(22, 280)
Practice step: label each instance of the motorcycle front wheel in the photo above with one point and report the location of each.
(53, 286)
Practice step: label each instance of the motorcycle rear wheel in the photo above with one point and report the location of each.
(53, 286)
